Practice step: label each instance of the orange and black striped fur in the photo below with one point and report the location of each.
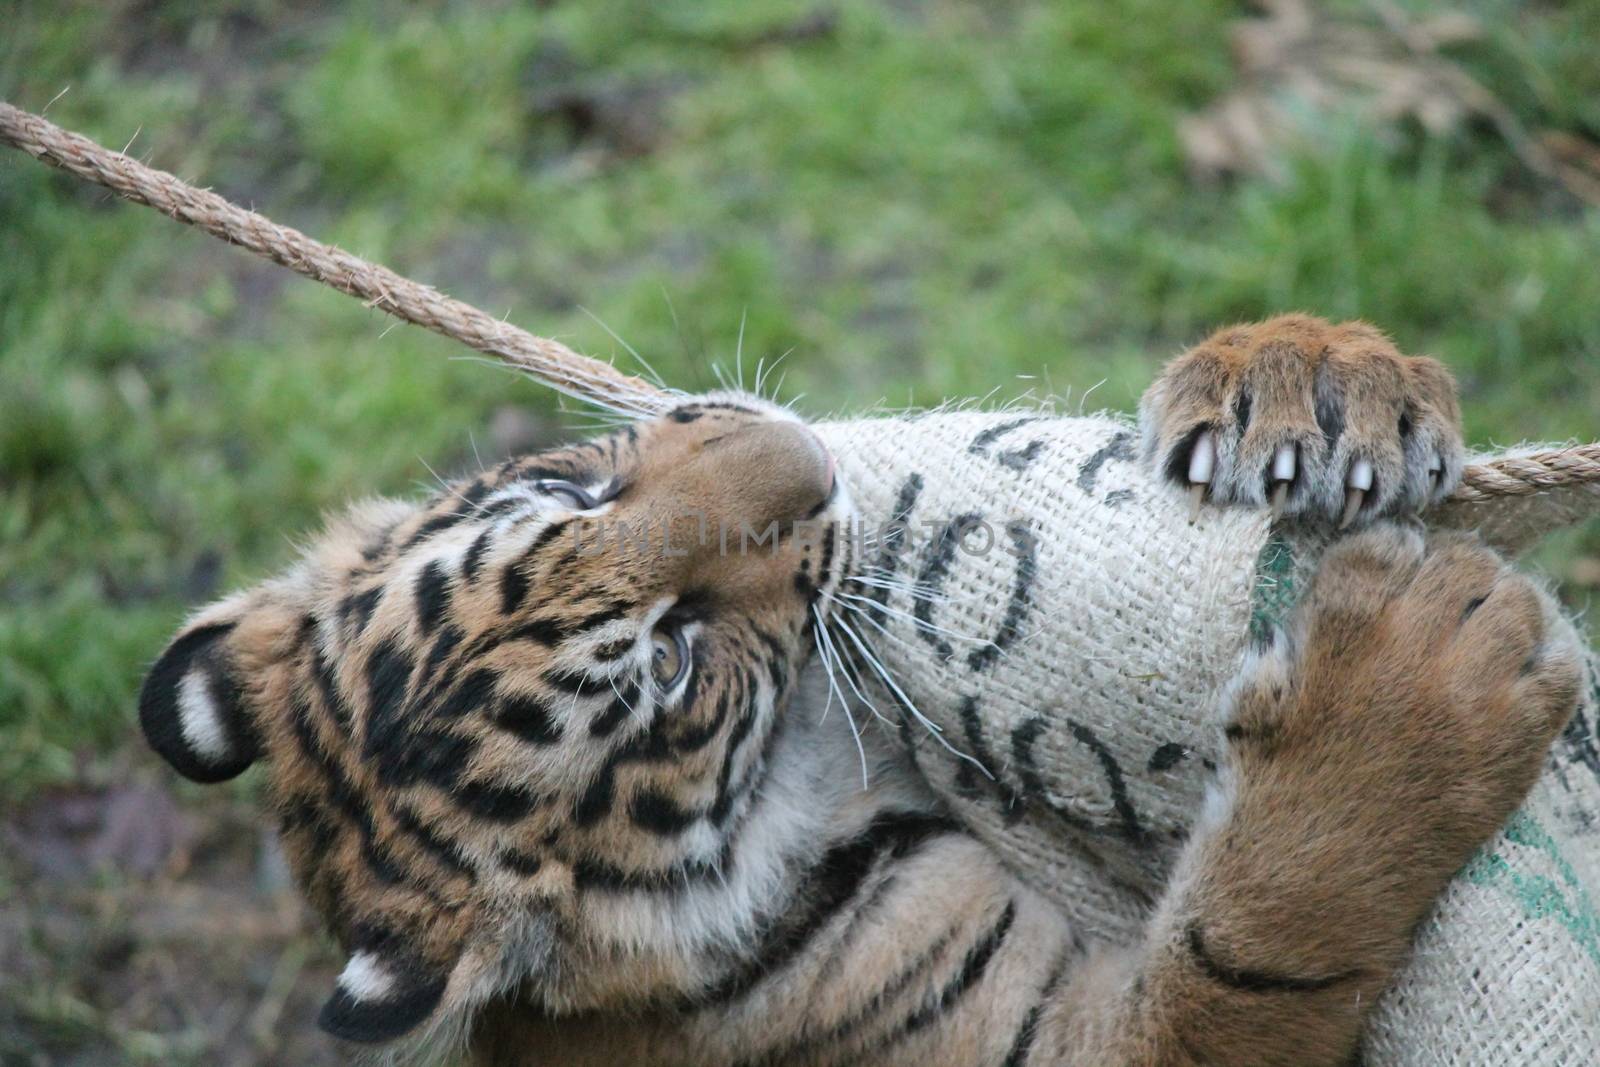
(568, 802)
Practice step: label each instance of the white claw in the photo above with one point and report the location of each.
(1283, 464)
(1283, 468)
(1353, 499)
(1202, 464)
(1435, 472)
(1360, 475)
(1203, 460)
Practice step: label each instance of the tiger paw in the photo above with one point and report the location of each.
(1412, 703)
(1322, 421)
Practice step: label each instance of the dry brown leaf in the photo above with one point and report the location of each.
(1299, 60)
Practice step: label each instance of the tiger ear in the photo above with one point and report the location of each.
(384, 992)
(192, 709)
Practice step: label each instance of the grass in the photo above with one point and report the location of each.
(913, 200)
(922, 200)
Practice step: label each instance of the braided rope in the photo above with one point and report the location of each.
(549, 361)
(1527, 475)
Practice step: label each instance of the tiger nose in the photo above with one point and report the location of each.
(784, 467)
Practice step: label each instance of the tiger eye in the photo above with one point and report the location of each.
(669, 655)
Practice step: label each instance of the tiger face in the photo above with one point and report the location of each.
(564, 673)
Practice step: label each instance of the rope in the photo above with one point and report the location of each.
(549, 361)
(1527, 475)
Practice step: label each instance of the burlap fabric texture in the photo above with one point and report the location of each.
(1046, 603)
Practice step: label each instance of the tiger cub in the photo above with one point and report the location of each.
(566, 792)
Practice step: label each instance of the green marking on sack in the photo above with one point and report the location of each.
(1539, 896)
(1275, 590)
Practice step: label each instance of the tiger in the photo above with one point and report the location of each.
(567, 795)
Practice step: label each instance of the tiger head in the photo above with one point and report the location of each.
(562, 674)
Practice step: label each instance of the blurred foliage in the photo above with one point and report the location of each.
(910, 199)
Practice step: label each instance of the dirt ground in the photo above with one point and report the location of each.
(140, 927)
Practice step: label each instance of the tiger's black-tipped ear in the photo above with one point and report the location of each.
(382, 994)
(191, 708)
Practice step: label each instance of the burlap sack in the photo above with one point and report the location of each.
(1047, 605)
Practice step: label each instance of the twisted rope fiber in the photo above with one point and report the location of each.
(549, 361)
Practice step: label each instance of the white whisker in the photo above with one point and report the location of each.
(632, 714)
(852, 675)
(823, 647)
(650, 371)
(738, 349)
(928, 724)
(920, 624)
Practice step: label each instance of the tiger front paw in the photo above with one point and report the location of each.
(1318, 420)
(1406, 711)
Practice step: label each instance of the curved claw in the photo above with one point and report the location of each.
(1357, 485)
(1284, 463)
(1202, 465)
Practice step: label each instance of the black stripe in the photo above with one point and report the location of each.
(433, 596)
(344, 798)
(514, 580)
(431, 527)
(474, 556)
(357, 608)
(597, 619)
(1022, 1044)
(443, 646)
(1260, 733)
(723, 805)
(620, 708)
(526, 864)
(328, 688)
(777, 658)
(1255, 981)
(828, 887)
(595, 803)
(655, 812)
(973, 966)
(496, 803)
(432, 843)
(972, 971)
(303, 813)
(829, 546)
(388, 673)
(513, 586)
(694, 738)
(471, 693)
(600, 876)
(406, 756)
(851, 1027)
(571, 681)
(529, 718)
(467, 505)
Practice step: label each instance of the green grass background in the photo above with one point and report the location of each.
(932, 199)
